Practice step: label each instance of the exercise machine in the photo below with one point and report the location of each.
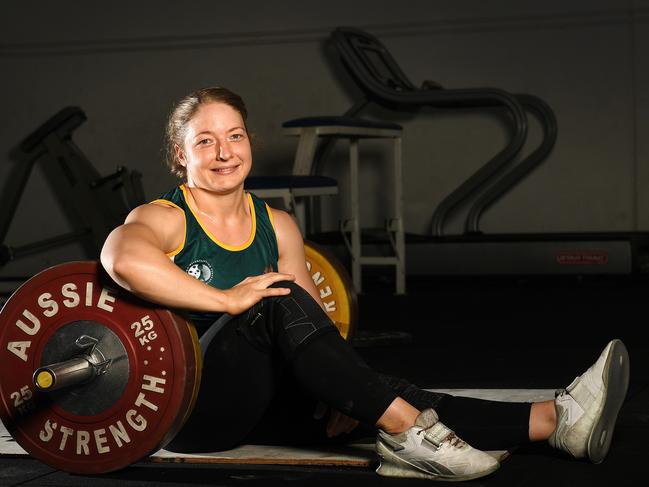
(474, 252)
(94, 204)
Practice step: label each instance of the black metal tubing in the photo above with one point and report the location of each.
(496, 164)
(383, 82)
(12, 191)
(46, 244)
(25, 156)
(64, 122)
(546, 116)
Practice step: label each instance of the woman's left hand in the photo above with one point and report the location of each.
(338, 423)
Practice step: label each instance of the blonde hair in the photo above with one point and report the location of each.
(182, 113)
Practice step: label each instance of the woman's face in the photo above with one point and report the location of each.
(216, 150)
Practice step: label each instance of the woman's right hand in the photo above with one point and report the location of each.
(253, 289)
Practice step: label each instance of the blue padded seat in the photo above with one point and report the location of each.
(331, 121)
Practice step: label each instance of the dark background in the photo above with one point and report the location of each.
(125, 63)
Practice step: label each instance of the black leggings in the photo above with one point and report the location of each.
(266, 370)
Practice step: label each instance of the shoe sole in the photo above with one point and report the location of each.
(394, 466)
(616, 382)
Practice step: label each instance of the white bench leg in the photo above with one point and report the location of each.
(355, 214)
(400, 249)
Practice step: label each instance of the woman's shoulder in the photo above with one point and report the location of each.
(171, 204)
(158, 214)
(163, 222)
(173, 197)
(286, 228)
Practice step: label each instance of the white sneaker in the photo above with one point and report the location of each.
(431, 450)
(587, 409)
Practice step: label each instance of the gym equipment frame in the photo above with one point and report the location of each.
(475, 253)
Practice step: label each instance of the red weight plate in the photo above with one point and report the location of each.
(192, 347)
(162, 371)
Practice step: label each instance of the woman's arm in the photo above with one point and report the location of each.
(291, 252)
(134, 255)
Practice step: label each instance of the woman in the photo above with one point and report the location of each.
(209, 248)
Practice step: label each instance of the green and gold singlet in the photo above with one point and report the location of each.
(222, 266)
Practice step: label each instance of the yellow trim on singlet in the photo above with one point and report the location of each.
(232, 248)
(270, 217)
(177, 250)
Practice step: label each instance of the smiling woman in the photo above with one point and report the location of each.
(184, 112)
(223, 257)
(216, 150)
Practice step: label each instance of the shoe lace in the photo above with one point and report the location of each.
(452, 439)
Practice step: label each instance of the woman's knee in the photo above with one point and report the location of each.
(293, 286)
(296, 318)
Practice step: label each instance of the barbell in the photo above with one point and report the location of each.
(94, 379)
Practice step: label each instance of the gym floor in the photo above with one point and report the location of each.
(480, 333)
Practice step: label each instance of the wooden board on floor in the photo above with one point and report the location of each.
(358, 455)
(353, 455)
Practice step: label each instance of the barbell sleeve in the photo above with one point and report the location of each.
(64, 374)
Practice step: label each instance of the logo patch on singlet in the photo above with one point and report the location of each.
(200, 270)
